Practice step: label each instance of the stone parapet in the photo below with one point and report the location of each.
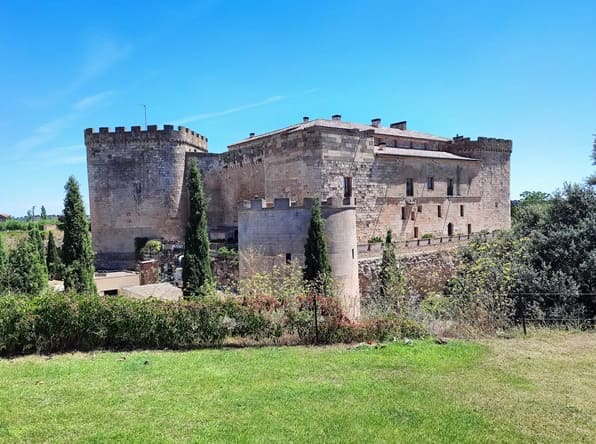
(136, 134)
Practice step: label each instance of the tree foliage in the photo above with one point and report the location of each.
(317, 268)
(196, 273)
(77, 251)
(3, 267)
(545, 270)
(53, 261)
(44, 214)
(392, 289)
(26, 269)
(592, 178)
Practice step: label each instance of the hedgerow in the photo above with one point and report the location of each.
(60, 322)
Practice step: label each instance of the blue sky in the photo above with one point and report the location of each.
(519, 70)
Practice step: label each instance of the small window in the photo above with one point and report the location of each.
(288, 258)
(420, 208)
(413, 215)
(347, 187)
(409, 187)
(416, 232)
(461, 210)
(496, 204)
(352, 253)
(430, 183)
(439, 211)
(449, 187)
(403, 213)
(469, 228)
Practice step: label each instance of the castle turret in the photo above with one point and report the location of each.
(136, 183)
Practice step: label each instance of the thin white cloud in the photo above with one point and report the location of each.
(235, 109)
(99, 56)
(89, 101)
(69, 160)
(43, 134)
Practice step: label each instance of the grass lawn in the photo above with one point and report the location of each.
(539, 389)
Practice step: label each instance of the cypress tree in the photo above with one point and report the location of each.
(317, 268)
(53, 261)
(77, 252)
(196, 272)
(391, 281)
(44, 214)
(26, 269)
(3, 267)
(36, 239)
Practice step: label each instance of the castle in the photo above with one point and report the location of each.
(417, 184)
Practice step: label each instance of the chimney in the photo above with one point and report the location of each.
(399, 125)
(376, 122)
(251, 135)
(336, 117)
(305, 119)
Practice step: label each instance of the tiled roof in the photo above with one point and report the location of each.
(406, 152)
(340, 124)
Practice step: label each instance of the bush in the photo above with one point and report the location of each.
(61, 322)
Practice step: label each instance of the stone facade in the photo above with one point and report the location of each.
(274, 234)
(415, 183)
(136, 188)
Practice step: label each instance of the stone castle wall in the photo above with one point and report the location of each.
(273, 235)
(136, 182)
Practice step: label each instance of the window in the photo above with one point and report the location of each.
(469, 228)
(496, 204)
(430, 183)
(461, 210)
(409, 187)
(347, 187)
(439, 211)
(352, 253)
(403, 213)
(288, 258)
(420, 208)
(415, 231)
(449, 187)
(413, 215)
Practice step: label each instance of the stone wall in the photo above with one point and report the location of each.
(274, 235)
(136, 183)
(424, 272)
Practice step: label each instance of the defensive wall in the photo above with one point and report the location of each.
(136, 188)
(275, 233)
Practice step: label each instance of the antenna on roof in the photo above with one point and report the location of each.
(145, 109)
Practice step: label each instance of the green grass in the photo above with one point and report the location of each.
(539, 389)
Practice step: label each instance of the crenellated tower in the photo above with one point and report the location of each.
(136, 188)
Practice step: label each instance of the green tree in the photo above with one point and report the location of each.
(317, 268)
(3, 267)
(36, 238)
(592, 178)
(196, 272)
(77, 252)
(392, 291)
(44, 215)
(26, 268)
(53, 261)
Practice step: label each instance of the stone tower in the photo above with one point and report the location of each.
(136, 188)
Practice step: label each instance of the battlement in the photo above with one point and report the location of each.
(120, 134)
(284, 203)
(463, 144)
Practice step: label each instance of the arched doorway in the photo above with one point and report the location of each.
(449, 229)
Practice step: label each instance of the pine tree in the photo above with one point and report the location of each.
(3, 268)
(196, 272)
(36, 239)
(77, 252)
(317, 268)
(53, 261)
(391, 280)
(27, 270)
